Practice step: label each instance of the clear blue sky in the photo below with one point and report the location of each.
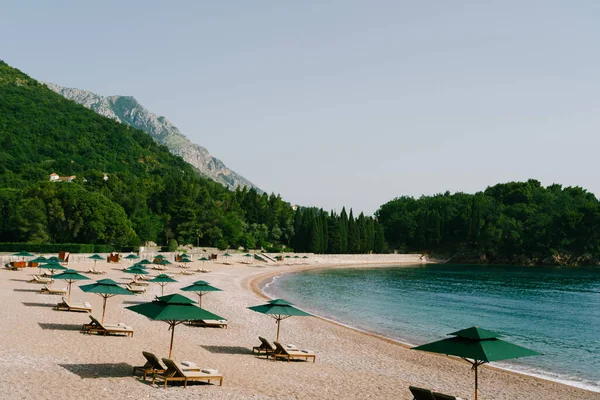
(334, 103)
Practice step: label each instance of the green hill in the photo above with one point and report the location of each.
(149, 195)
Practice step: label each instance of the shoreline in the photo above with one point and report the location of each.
(48, 345)
(258, 283)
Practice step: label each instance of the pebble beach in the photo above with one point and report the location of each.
(44, 353)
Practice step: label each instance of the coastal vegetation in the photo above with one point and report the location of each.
(129, 190)
(518, 223)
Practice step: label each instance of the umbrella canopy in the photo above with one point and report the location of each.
(145, 262)
(201, 288)
(55, 259)
(304, 256)
(52, 266)
(105, 288)
(477, 346)
(162, 280)
(132, 257)
(40, 259)
(247, 255)
(203, 259)
(279, 309)
(70, 276)
(164, 261)
(96, 258)
(137, 270)
(185, 260)
(173, 309)
(23, 254)
(160, 256)
(226, 255)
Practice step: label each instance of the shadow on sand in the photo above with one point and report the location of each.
(44, 305)
(227, 349)
(27, 290)
(60, 327)
(94, 371)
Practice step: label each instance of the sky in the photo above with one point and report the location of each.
(342, 103)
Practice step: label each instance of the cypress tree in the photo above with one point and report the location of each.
(352, 235)
(343, 227)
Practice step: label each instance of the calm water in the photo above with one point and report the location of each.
(553, 310)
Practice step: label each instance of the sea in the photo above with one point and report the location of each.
(553, 310)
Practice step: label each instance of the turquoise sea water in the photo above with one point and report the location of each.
(554, 310)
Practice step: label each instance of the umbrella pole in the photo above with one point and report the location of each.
(162, 293)
(69, 297)
(476, 388)
(172, 335)
(199, 300)
(104, 308)
(278, 322)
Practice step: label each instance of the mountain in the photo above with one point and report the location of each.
(128, 110)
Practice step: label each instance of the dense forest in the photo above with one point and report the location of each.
(148, 194)
(517, 222)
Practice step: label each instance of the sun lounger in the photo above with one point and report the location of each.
(138, 283)
(282, 352)
(209, 323)
(41, 279)
(135, 289)
(152, 366)
(186, 272)
(265, 347)
(75, 307)
(96, 271)
(50, 290)
(107, 329)
(204, 270)
(190, 372)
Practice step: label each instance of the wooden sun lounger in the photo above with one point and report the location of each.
(74, 307)
(107, 329)
(282, 352)
(209, 323)
(264, 347)
(50, 290)
(152, 366)
(138, 283)
(96, 271)
(179, 372)
(136, 290)
(41, 279)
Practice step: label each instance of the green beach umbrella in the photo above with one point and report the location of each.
(145, 262)
(96, 258)
(296, 256)
(164, 261)
(132, 257)
(201, 288)
(279, 309)
(477, 346)
(247, 255)
(105, 288)
(52, 266)
(70, 276)
(288, 257)
(226, 255)
(54, 259)
(23, 254)
(304, 256)
(137, 270)
(162, 280)
(173, 309)
(40, 259)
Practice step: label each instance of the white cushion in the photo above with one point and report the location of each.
(188, 363)
(211, 371)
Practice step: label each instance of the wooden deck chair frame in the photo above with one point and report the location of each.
(282, 352)
(152, 366)
(175, 372)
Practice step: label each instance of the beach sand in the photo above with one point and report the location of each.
(44, 355)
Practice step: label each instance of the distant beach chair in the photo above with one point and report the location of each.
(186, 371)
(186, 272)
(152, 366)
(50, 290)
(41, 279)
(74, 307)
(135, 289)
(209, 323)
(264, 347)
(96, 271)
(137, 282)
(282, 352)
(116, 329)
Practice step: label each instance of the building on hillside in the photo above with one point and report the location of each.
(54, 177)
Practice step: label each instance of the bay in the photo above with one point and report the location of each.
(554, 310)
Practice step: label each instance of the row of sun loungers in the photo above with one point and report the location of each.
(287, 352)
(426, 394)
(135, 289)
(96, 271)
(184, 371)
(96, 326)
(205, 323)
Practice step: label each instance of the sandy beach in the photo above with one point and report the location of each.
(45, 355)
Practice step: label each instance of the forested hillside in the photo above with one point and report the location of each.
(516, 222)
(149, 194)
